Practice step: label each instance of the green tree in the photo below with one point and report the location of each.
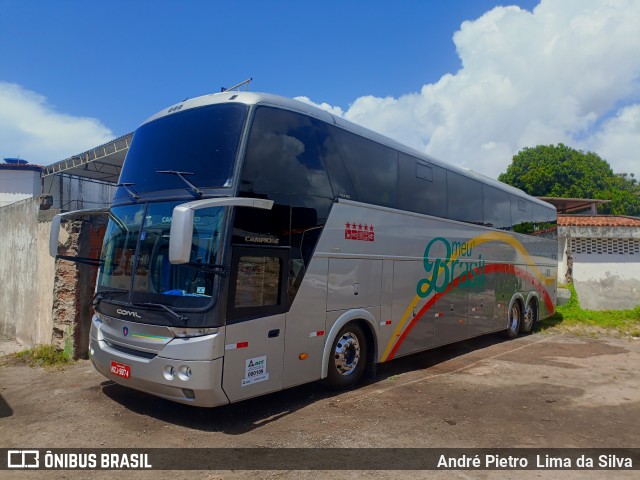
(561, 171)
(624, 193)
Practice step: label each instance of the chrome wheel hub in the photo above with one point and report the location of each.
(514, 320)
(347, 354)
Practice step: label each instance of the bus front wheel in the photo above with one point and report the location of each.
(348, 357)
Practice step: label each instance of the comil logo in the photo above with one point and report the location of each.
(128, 313)
(23, 459)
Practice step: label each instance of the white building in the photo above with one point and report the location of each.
(601, 254)
(18, 180)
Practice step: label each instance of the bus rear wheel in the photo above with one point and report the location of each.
(348, 357)
(530, 317)
(515, 318)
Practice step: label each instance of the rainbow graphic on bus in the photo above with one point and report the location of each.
(454, 271)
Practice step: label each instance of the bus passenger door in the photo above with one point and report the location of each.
(254, 344)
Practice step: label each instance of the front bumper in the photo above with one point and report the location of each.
(203, 388)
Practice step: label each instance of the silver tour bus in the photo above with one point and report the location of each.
(255, 243)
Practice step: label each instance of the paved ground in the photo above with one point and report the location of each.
(542, 390)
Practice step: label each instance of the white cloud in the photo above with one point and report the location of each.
(557, 74)
(618, 141)
(324, 106)
(30, 128)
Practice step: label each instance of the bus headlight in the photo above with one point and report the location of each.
(180, 332)
(184, 373)
(169, 372)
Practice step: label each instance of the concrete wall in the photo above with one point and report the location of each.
(43, 300)
(607, 282)
(27, 272)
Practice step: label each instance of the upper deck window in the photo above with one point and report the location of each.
(284, 155)
(202, 141)
(373, 168)
(465, 198)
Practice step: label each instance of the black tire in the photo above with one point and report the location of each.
(348, 357)
(530, 317)
(515, 319)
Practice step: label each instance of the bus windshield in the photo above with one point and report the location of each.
(200, 141)
(136, 264)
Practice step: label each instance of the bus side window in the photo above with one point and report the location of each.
(544, 221)
(521, 215)
(338, 174)
(423, 186)
(497, 208)
(465, 198)
(284, 156)
(258, 282)
(373, 168)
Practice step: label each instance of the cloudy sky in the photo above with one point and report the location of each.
(470, 82)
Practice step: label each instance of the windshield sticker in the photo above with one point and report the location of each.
(357, 231)
(255, 371)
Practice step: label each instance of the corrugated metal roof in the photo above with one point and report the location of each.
(102, 163)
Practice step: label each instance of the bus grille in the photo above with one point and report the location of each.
(131, 351)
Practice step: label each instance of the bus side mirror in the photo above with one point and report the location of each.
(181, 234)
(54, 233)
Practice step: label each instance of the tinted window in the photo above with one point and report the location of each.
(544, 221)
(465, 198)
(497, 208)
(373, 168)
(425, 172)
(423, 187)
(521, 215)
(202, 141)
(257, 282)
(338, 173)
(295, 221)
(284, 155)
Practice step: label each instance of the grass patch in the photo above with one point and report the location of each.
(572, 317)
(40, 356)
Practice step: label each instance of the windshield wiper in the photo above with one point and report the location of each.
(102, 294)
(134, 196)
(175, 314)
(192, 188)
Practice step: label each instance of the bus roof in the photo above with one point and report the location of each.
(257, 98)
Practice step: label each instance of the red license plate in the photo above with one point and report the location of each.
(120, 369)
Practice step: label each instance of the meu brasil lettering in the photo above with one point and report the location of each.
(456, 262)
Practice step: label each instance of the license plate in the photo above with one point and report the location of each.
(120, 369)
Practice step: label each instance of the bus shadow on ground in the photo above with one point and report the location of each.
(5, 408)
(251, 414)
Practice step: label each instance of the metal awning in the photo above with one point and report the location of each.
(102, 163)
(569, 205)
